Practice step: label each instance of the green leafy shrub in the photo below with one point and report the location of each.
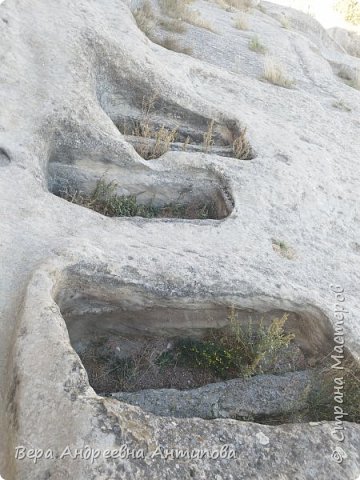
(256, 344)
(207, 354)
(236, 352)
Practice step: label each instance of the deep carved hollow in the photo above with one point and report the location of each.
(109, 328)
(111, 322)
(154, 125)
(195, 194)
(157, 344)
(153, 137)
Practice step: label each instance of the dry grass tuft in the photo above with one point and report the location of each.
(285, 22)
(175, 8)
(244, 5)
(197, 21)
(223, 4)
(275, 73)
(257, 46)
(147, 23)
(153, 141)
(145, 19)
(163, 138)
(242, 148)
(241, 22)
(209, 137)
(178, 9)
(172, 25)
(330, 382)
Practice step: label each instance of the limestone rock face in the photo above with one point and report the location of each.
(350, 41)
(284, 236)
(260, 396)
(254, 3)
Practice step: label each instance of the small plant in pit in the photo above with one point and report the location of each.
(257, 46)
(209, 137)
(241, 146)
(344, 383)
(258, 343)
(106, 201)
(341, 105)
(283, 249)
(153, 141)
(156, 140)
(171, 43)
(241, 351)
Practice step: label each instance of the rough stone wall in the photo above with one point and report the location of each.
(69, 70)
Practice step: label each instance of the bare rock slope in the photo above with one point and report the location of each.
(286, 225)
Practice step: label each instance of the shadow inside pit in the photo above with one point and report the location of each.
(132, 342)
(93, 180)
(155, 125)
(136, 343)
(4, 158)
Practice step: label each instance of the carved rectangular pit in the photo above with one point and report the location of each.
(131, 343)
(155, 341)
(190, 194)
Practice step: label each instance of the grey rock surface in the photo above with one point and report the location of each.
(256, 397)
(350, 41)
(69, 71)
